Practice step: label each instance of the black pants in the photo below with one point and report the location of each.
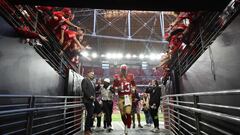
(154, 115)
(108, 110)
(88, 120)
(97, 111)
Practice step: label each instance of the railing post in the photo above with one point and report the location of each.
(197, 115)
(30, 116)
(64, 115)
(83, 119)
(169, 120)
(178, 116)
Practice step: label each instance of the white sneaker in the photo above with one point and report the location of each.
(125, 130)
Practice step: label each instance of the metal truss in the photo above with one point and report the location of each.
(141, 26)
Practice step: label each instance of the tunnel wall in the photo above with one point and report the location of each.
(23, 70)
(199, 78)
(226, 53)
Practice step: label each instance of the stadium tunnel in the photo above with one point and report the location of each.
(40, 84)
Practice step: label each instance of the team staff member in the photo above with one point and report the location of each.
(154, 102)
(107, 98)
(88, 89)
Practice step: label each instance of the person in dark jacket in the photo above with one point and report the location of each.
(98, 105)
(154, 102)
(88, 88)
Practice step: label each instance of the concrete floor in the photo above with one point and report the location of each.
(118, 130)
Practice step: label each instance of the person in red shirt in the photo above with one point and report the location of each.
(27, 34)
(73, 38)
(73, 43)
(125, 85)
(59, 23)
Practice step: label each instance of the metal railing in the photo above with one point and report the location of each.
(204, 113)
(50, 50)
(34, 115)
(208, 29)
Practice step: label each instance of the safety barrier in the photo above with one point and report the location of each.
(192, 114)
(33, 114)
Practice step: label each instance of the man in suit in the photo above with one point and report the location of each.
(88, 88)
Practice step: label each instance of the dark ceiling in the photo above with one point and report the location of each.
(150, 5)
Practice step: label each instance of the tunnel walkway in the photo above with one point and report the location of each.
(118, 129)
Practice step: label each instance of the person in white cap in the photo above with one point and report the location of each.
(107, 94)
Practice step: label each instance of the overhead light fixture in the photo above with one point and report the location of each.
(113, 56)
(94, 55)
(146, 56)
(134, 56)
(128, 56)
(108, 55)
(152, 56)
(85, 54)
(141, 56)
(102, 55)
(159, 56)
(119, 56)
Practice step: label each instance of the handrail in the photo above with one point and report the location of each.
(38, 96)
(210, 113)
(177, 106)
(206, 93)
(39, 109)
(46, 110)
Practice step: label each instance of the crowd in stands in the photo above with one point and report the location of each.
(141, 77)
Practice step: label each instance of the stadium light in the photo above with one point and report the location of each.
(119, 56)
(159, 56)
(141, 56)
(108, 55)
(128, 56)
(94, 55)
(113, 56)
(152, 56)
(85, 54)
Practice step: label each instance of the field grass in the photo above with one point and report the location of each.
(117, 117)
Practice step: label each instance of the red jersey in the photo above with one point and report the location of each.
(26, 33)
(175, 42)
(124, 85)
(58, 21)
